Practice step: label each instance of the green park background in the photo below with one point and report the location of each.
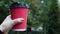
(43, 16)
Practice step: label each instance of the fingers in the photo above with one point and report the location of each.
(18, 20)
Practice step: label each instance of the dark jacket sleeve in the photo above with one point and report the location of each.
(1, 32)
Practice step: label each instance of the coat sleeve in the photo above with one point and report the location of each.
(1, 32)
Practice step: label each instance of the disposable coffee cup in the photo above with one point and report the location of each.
(19, 10)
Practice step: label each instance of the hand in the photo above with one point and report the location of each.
(8, 24)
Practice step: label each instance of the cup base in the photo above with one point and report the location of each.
(19, 29)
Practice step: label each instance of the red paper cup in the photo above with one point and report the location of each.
(19, 10)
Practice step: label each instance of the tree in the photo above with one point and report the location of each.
(51, 13)
(53, 18)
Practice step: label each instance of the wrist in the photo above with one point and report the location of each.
(4, 28)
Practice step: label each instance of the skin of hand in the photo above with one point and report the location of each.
(8, 23)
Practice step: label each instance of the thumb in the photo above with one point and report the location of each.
(18, 20)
